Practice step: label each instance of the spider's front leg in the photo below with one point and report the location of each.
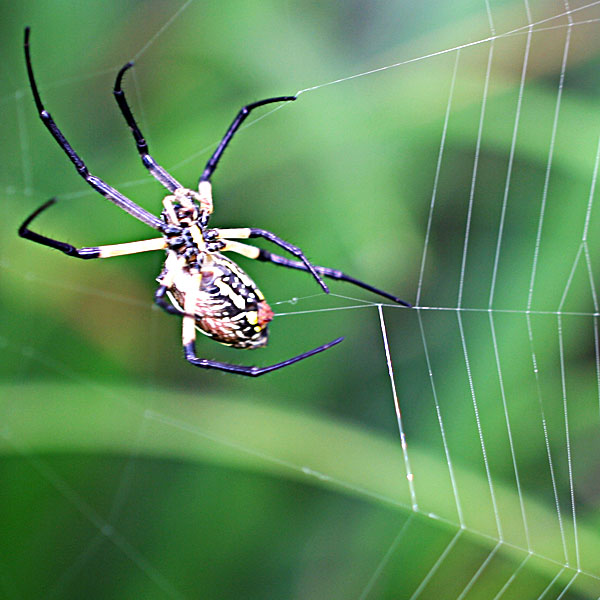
(213, 161)
(88, 252)
(95, 182)
(142, 146)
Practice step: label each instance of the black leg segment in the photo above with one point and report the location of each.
(190, 355)
(26, 233)
(211, 165)
(294, 250)
(159, 299)
(100, 186)
(327, 272)
(155, 169)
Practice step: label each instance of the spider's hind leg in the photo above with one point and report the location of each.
(251, 371)
(189, 347)
(159, 300)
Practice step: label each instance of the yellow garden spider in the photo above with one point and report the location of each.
(208, 290)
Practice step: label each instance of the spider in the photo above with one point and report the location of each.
(210, 291)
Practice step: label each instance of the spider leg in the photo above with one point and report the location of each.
(88, 252)
(260, 254)
(327, 272)
(166, 281)
(142, 146)
(190, 355)
(159, 299)
(96, 183)
(211, 165)
(252, 232)
(188, 334)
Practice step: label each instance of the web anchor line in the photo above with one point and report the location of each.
(409, 473)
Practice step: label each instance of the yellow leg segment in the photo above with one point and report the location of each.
(131, 247)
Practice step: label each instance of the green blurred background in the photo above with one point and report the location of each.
(126, 473)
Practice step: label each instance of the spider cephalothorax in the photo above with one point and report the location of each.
(210, 291)
(184, 207)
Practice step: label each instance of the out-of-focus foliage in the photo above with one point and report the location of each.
(126, 473)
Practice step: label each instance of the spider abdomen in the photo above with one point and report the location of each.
(229, 306)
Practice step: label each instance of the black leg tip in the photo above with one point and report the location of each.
(325, 346)
(120, 74)
(47, 204)
(403, 303)
(23, 229)
(189, 351)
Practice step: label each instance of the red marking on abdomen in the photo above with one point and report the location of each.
(265, 314)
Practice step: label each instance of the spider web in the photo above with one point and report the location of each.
(463, 465)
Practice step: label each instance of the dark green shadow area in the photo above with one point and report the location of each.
(246, 459)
